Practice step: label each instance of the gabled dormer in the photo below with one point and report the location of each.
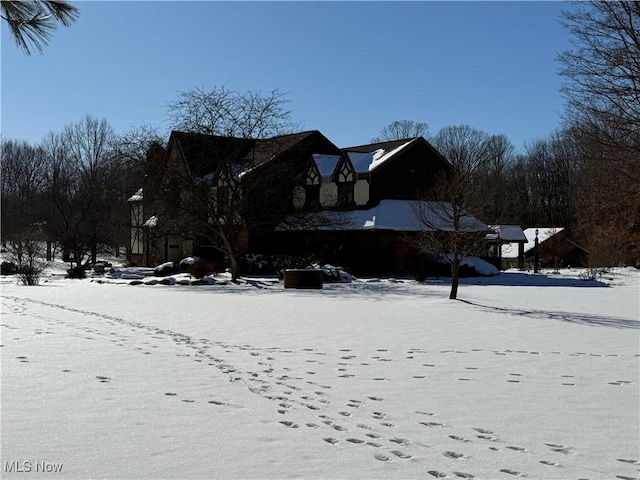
(345, 172)
(308, 195)
(312, 174)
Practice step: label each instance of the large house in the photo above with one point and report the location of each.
(295, 194)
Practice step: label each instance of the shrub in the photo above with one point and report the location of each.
(202, 269)
(77, 272)
(29, 258)
(8, 268)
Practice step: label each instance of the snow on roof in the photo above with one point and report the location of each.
(510, 250)
(381, 156)
(364, 162)
(395, 215)
(509, 233)
(137, 197)
(151, 221)
(326, 163)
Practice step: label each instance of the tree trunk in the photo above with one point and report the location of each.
(455, 277)
(234, 267)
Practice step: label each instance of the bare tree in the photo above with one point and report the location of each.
(221, 202)
(230, 113)
(400, 129)
(492, 178)
(22, 187)
(28, 254)
(602, 71)
(553, 168)
(131, 148)
(602, 88)
(447, 216)
(83, 174)
(32, 22)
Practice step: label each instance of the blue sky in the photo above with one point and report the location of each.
(348, 68)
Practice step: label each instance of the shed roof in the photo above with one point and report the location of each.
(508, 233)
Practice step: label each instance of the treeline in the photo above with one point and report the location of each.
(72, 188)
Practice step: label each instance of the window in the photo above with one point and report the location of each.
(313, 176)
(346, 173)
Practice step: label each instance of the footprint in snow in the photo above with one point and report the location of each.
(289, 424)
(510, 472)
(354, 440)
(454, 455)
(400, 454)
(518, 449)
(464, 475)
(437, 474)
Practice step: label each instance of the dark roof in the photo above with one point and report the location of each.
(202, 152)
(372, 147)
(268, 148)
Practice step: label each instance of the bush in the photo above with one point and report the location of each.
(202, 269)
(165, 269)
(77, 272)
(29, 275)
(8, 268)
(28, 257)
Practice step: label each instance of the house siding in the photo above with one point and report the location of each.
(328, 194)
(361, 192)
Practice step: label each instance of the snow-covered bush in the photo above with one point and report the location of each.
(479, 266)
(333, 274)
(165, 269)
(198, 268)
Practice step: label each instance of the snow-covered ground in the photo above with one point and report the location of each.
(529, 375)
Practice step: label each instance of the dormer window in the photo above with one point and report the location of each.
(312, 187)
(313, 176)
(346, 173)
(345, 178)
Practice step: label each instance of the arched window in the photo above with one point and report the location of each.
(312, 187)
(345, 179)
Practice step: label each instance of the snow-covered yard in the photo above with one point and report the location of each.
(529, 375)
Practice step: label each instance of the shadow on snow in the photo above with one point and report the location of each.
(569, 317)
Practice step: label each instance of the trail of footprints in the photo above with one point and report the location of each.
(357, 422)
